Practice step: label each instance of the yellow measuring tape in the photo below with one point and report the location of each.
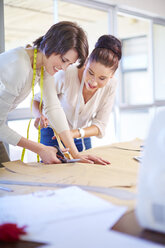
(41, 88)
(67, 155)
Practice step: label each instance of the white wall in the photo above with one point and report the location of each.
(155, 8)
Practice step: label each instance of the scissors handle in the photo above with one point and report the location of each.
(60, 154)
(62, 157)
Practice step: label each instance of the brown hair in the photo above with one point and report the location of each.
(62, 37)
(107, 51)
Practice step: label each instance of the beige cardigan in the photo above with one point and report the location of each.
(15, 85)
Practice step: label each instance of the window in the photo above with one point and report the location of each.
(136, 88)
(159, 57)
(87, 18)
(25, 21)
(135, 123)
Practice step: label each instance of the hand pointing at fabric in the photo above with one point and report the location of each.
(91, 159)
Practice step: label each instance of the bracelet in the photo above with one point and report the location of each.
(82, 132)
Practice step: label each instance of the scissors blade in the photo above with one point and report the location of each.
(62, 157)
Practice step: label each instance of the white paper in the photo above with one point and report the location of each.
(45, 207)
(89, 232)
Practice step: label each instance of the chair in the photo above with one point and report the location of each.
(4, 157)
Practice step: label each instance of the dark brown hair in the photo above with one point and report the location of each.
(62, 37)
(107, 51)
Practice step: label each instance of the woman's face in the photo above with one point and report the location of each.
(56, 62)
(96, 75)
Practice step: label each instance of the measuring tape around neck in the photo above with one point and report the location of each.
(31, 106)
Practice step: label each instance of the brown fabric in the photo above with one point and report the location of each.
(121, 173)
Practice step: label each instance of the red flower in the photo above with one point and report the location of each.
(11, 232)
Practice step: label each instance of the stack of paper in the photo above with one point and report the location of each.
(45, 207)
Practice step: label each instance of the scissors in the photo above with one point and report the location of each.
(62, 158)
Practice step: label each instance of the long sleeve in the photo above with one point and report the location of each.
(15, 85)
(6, 134)
(105, 107)
(52, 106)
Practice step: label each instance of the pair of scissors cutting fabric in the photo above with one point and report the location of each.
(62, 158)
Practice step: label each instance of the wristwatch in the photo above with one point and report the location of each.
(82, 132)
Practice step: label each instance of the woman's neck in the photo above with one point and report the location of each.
(30, 52)
(80, 73)
(87, 95)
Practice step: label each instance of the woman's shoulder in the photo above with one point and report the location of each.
(67, 73)
(72, 71)
(14, 68)
(112, 84)
(15, 64)
(69, 77)
(15, 53)
(59, 76)
(65, 79)
(108, 90)
(16, 58)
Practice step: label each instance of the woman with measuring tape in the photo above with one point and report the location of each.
(86, 94)
(21, 68)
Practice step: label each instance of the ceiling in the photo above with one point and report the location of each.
(26, 20)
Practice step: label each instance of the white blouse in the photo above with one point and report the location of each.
(95, 112)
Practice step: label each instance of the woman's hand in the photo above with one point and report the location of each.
(48, 154)
(92, 159)
(36, 122)
(42, 120)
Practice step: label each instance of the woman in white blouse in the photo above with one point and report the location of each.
(86, 94)
(62, 45)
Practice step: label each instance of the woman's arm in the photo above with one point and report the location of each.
(105, 108)
(47, 153)
(54, 111)
(88, 132)
(40, 118)
(56, 116)
(68, 141)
